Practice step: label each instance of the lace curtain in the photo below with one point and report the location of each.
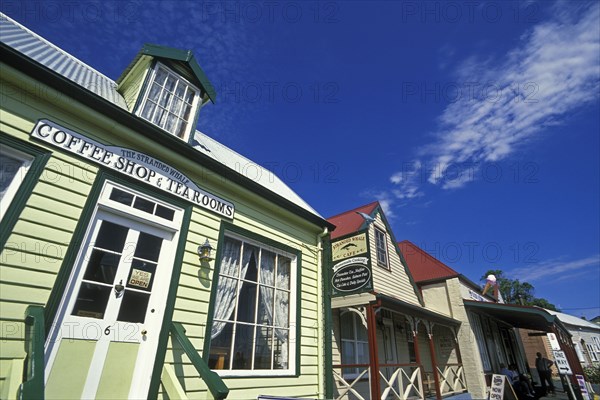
(274, 303)
(227, 291)
(276, 310)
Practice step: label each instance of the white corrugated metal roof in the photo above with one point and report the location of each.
(248, 168)
(573, 320)
(39, 49)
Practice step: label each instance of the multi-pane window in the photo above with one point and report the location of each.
(596, 341)
(592, 352)
(170, 102)
(254, 312)
(13, 168)
(381, 245)
(355, 343)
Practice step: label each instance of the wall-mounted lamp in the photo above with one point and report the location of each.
(204, 252)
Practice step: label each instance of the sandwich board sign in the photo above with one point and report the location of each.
(560, 359)
(501, 389)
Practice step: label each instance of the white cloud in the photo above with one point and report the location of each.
(555, 71)
(505, 103)
(557, 269)
(407, 181)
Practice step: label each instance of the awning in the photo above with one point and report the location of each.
(518, 316)
(415, 310)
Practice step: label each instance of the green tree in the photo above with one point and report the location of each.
(544, 304)
(514, 291)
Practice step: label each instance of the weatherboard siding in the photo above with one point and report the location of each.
(132, 84)
(393, 282)
(192, 304)
(36, 248)
(34, 251)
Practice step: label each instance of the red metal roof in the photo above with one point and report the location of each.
(422, 266)
(349, 221)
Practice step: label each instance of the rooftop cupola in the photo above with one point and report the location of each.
(167, 87)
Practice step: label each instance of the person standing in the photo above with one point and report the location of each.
(543, 368)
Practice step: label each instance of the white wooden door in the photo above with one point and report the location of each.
(116, 298)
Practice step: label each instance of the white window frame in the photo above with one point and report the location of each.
(596, 341)
(17, 179)
(292, 324)
(195, 103)
(579, 352)
(381, 248)
(592, 352)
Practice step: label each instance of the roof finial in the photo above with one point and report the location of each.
(366, 217)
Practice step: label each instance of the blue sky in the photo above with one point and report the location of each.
(476, 124)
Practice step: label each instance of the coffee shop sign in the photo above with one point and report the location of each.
(132, 163)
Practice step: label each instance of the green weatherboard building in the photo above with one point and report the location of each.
(110, 201)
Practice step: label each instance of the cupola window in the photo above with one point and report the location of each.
(170, 102)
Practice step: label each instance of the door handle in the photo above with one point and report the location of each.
(119, 288)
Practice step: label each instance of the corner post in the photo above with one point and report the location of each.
(373, 351)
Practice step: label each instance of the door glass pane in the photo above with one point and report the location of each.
(111, 236)
(121, 196)
(244, 337)
(148, 247)
(144, 205)
(91, 300)
(102, 267)
(164, 212)
(141, 275)
(133, 307)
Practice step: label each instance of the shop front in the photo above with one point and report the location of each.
(137, 261)
(385, 343)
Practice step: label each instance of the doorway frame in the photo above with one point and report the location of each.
(79, 234)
